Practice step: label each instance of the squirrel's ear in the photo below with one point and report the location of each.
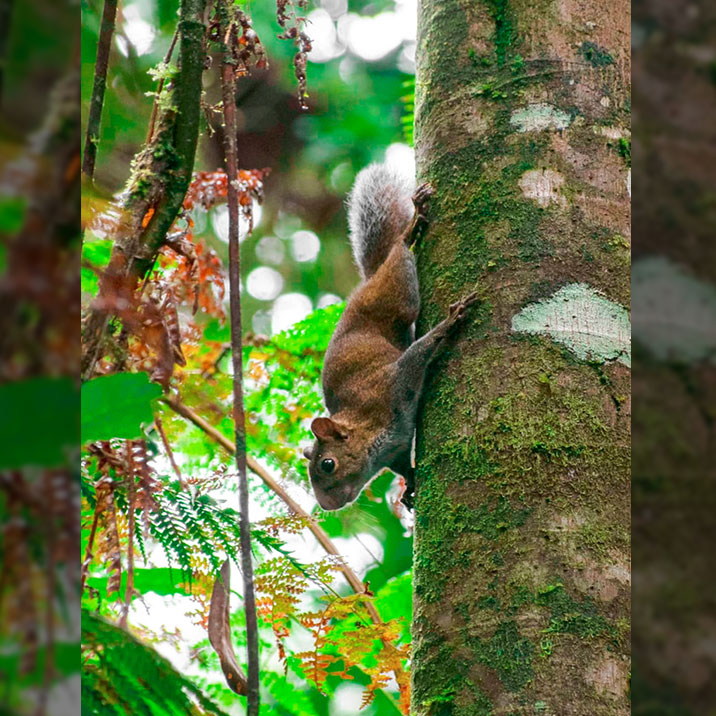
(325, 428)
(308, 453)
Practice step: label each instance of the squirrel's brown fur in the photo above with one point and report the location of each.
(373, 371)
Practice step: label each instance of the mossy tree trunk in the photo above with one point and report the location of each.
(521, 566)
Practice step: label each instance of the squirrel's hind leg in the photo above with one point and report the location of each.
(392, 293)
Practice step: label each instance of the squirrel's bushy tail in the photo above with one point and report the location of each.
(380, 207)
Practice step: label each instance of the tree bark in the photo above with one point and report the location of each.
(521, 563)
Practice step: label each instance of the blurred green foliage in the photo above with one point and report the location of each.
(357, 110)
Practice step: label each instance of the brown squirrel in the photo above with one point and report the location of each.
(374, 368)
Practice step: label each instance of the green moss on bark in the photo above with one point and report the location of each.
(508, 652)
(522, 449)
(442, 685)
(444, 523)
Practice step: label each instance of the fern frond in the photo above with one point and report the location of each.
(121, 675)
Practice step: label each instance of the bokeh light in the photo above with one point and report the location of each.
(324, 39)
(327, 299)
(270, 250)
(136, 30)
(288, 309)
(402, 158)
(220, 222)
(264, 283)
(305, 246)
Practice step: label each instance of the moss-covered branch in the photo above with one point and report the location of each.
(161, 173)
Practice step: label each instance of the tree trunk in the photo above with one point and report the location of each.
(521, 566)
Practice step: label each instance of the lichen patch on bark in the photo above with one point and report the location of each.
(579, 317)
(544, 186)
(539, 117)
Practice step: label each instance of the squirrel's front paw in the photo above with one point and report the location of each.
(422, 194)
(459, 308)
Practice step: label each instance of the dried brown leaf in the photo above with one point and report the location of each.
(220, 632)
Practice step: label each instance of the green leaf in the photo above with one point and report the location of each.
(121, 674)
(115, 406)
(38, 422)
(97, 253)
(89, 283)
(394, 600)
(160, 580)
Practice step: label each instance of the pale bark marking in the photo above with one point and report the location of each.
(582, 319)
(538, 117)
(544, 186)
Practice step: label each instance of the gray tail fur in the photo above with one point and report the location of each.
(380, 208)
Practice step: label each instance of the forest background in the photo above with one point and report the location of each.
(322, 650)
(673, 413)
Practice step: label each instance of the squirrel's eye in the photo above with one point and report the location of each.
(328, 465)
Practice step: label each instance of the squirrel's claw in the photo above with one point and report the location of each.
(420, 220)
(459, 308)
(408, 501)
(408, 496)
(422, 194)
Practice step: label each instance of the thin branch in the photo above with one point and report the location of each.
(228, 85)
(129, 589)
(318, 532)
(170, 452)
(259, 341)
(160, 87)
(109, 15)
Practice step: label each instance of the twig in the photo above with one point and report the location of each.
(129, 589)
(109, 14)
(228, 82)
(170, 452)
(160, 87)
(259, 341)
(318, 532)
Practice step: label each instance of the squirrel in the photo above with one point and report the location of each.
(374, 369)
